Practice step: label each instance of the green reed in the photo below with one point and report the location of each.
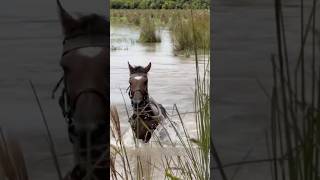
(295, 120)
(148, 31)
(187, 34)
(177, 21)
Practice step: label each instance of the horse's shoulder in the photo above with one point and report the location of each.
(158, 108)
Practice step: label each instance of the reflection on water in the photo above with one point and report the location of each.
(171, 81)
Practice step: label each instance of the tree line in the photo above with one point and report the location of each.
(160, 4)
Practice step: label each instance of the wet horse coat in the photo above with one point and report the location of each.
(147, 113)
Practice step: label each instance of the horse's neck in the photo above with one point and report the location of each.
(142, 110)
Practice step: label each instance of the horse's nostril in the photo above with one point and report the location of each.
(136, 102)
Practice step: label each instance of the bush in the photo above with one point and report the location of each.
(169, 4)
(183, 36)
(124, 4)
(148, 31)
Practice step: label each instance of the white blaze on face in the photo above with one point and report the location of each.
(138, 77)
(90, 51)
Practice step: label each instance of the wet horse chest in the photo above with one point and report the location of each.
(143, 124)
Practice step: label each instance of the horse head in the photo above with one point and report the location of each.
(85, 65)
(138, 89)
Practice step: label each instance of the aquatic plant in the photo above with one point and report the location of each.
(177, 21)
(148, 31)
(185, 36)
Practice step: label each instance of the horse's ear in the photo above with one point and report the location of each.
(130, 68)
(147, 68)
(67, 21)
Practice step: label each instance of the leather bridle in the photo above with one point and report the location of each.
(68, 104)
(145, 93)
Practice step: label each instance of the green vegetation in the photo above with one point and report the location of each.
(295, 120)
(187, 34)
(148, 31)
(177, 21)
(160, 4)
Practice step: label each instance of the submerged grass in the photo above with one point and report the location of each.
(177, 21)
(148, 31)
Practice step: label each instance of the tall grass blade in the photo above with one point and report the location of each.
(50, 139)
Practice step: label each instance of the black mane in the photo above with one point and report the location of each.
(88, 25)
(93, 24)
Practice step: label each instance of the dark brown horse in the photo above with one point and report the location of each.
(147, 114)
(84, 99)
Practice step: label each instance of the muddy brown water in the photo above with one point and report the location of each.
(171, 78)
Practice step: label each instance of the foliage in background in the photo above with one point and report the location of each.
(177, 21)
(160, 4)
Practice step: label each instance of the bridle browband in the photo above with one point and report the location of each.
(82, 40)
(67, 104)
(145, 97)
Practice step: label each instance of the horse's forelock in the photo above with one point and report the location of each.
(138, 69)
(93, 24)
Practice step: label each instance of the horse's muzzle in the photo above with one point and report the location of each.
(137, 99)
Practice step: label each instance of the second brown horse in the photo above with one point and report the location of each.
(147, 114)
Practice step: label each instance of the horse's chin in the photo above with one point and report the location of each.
(136, 105)
(90, 128)
(90, 113)
(139, 104)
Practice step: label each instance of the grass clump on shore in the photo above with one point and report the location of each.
(186, 35)
(160, 17)
(148, 31)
